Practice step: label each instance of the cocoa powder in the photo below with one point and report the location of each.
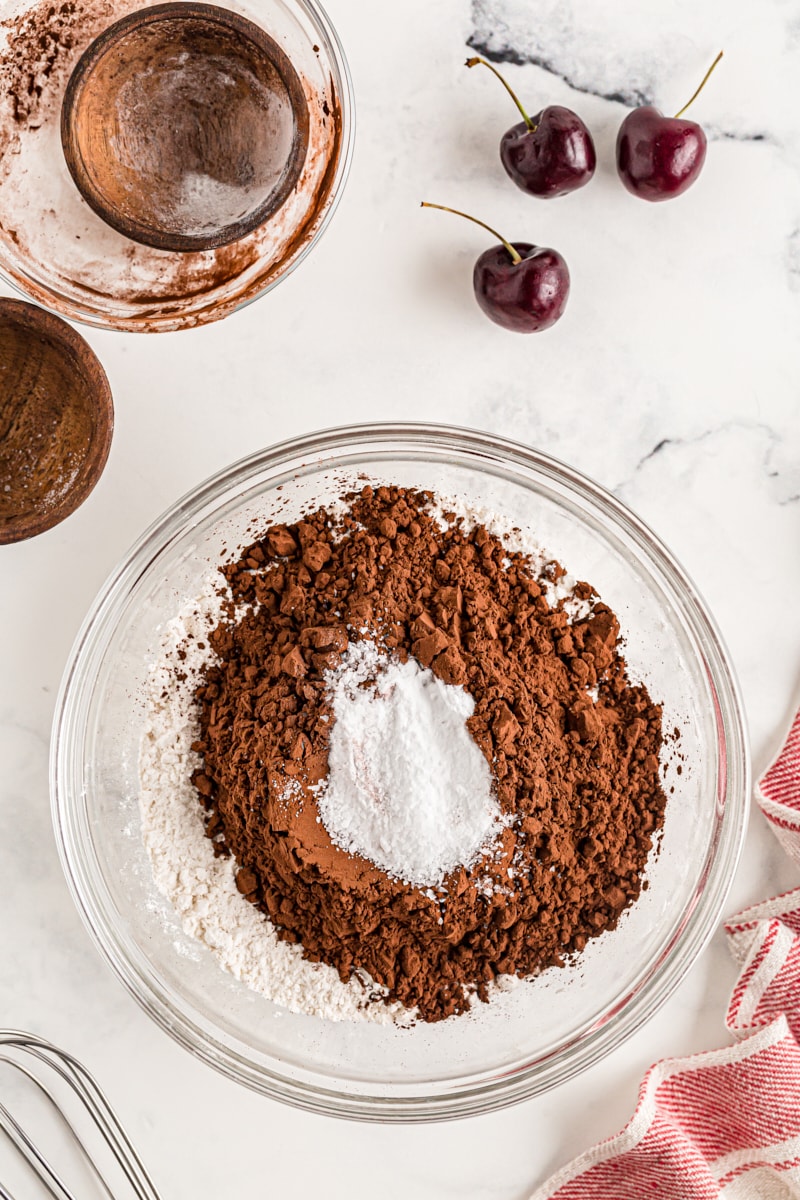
(572, 744)
(38, 39)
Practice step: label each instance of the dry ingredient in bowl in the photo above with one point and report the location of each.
(572, 747)
(201, 886)
(407, 787)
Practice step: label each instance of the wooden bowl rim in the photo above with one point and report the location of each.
(150, 235)
(66, 341)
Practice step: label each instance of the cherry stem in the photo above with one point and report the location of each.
(706, 78)
(516, 257)
(473, 62)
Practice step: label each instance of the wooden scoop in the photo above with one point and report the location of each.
(56, 420)
(185, 126)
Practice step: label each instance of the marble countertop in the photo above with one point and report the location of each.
(673, 379)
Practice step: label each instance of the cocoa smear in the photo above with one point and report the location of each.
(56, 420)
(579, 775)
(38, 40)
(143, 290)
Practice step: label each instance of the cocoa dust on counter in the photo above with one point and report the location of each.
(572, 745)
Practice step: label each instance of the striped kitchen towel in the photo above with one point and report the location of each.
(723, 1125)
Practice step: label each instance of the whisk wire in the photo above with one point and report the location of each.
(94, 1101)
(103, 1115)
(24, 1143)
(34, 1158)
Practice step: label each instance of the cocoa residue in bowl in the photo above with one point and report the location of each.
(56, 420)
(37, 42)
(573, 746)
(61, 254)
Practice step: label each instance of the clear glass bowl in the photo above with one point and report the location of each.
(57, 251)
(541, 1032)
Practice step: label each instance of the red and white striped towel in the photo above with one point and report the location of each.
(724, 1125)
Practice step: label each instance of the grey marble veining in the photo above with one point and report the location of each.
(632, 54)
(673, 379)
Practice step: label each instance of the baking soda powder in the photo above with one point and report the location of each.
(407, 786)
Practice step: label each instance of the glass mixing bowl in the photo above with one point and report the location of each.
(56, 250)
(539, 1033)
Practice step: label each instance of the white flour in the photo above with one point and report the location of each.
(407, 786)
(201, 888)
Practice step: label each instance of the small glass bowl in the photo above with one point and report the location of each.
(541, 1032)
(56, 250)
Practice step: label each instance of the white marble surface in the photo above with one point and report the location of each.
(673, 379)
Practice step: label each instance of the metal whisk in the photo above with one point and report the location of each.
(38, 1060)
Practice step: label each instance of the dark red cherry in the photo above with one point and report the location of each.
(518, 285)
(660, 157)
(553, 156)
(548, 155)
(526, 294)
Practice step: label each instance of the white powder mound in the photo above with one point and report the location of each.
(201, 888)
(407, 786)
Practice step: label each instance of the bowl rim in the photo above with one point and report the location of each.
(55, 300)
(493, 1090)
(67, 344)
(198, 13)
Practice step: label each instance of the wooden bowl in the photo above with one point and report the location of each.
(185, 126)
(56, 420)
